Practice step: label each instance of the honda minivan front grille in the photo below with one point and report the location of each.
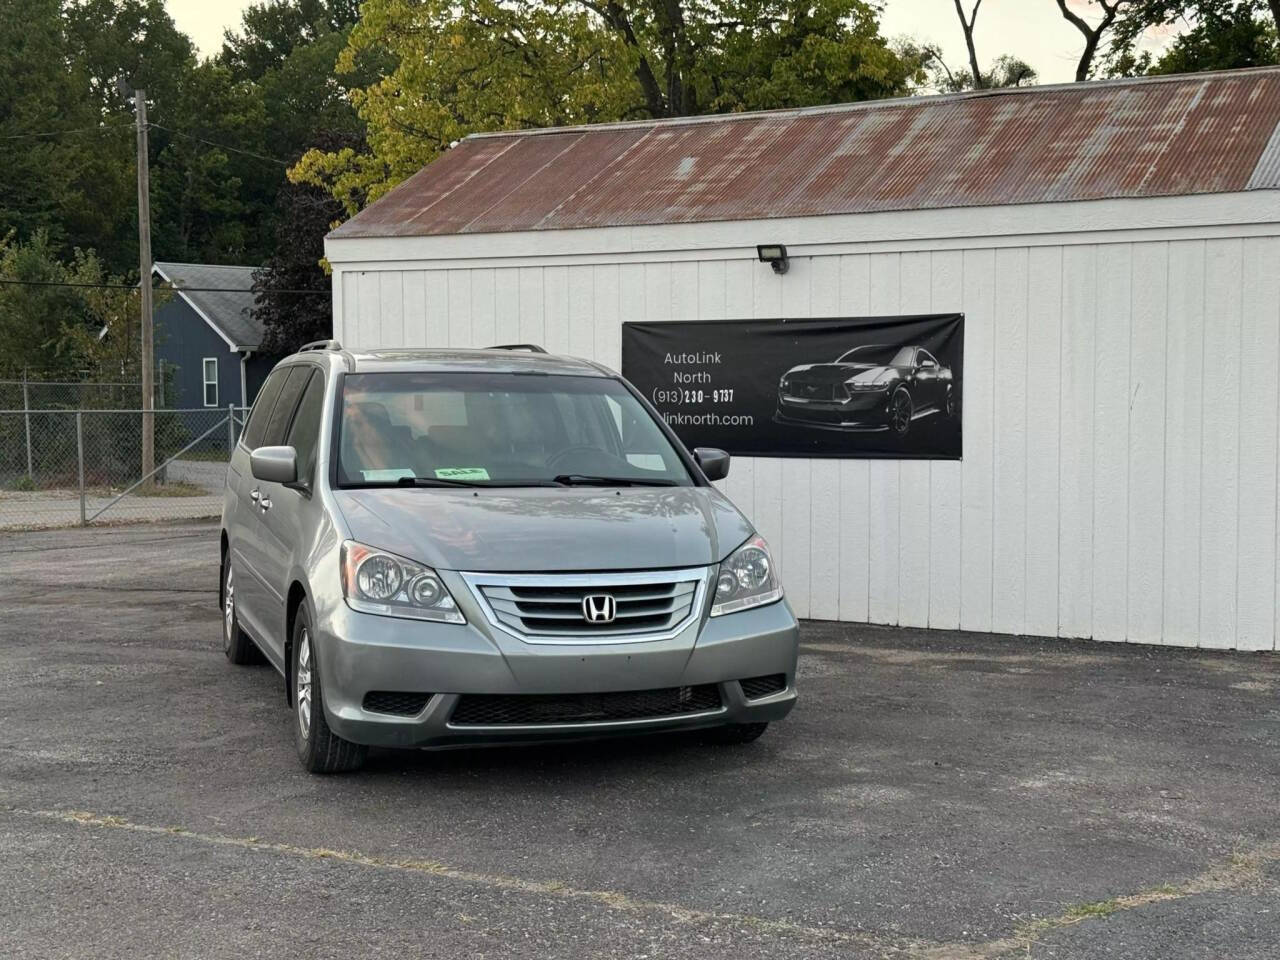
(591, 608)
(475, 710)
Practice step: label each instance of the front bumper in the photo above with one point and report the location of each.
(359, 653)
(862, 411)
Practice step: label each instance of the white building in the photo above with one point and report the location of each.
(1115, 248)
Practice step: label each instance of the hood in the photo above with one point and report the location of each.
(834, 372)
(543, 529)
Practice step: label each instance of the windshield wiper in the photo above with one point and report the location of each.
(407, 482)
(435, 482)
(587, 480)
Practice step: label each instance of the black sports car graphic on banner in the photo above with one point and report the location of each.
(846, 387)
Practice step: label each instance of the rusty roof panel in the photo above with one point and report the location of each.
(1200, 133)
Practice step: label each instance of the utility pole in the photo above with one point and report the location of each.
(144, 286)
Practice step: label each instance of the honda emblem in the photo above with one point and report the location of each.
(599, 608)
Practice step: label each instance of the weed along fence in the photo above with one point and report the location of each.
(84, 466)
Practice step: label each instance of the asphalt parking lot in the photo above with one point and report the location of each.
(944, 796)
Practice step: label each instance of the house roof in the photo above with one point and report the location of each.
(221, 295)
(1190, 134)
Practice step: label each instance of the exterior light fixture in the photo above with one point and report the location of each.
(774, 254)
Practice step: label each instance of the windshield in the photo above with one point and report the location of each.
(879, 355)
(498, 429)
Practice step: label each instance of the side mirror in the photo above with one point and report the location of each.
(714, 462)
(274, 464)
(928, 365)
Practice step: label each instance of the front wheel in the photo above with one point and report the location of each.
(900, 412)
(236, 644)
(319, 749)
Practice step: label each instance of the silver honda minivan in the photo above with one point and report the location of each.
(447, 547)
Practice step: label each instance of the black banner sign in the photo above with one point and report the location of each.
(843, 387)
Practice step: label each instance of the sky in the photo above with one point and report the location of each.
(1031, 29)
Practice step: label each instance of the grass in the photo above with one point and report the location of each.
(206, 456)
(170, 490)
(1086, 911)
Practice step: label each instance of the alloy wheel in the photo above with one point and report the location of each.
(302, 683)
(901, 413)
(228, 609)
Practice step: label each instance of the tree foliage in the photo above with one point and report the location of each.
(1006, 71)
(458, 66)
(225, 129)
(305, 214)
(1211, 35)
(51, 329)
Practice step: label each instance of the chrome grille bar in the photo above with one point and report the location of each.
(548, 608)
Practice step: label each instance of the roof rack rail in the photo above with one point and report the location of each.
(320, 345)
(527, 347)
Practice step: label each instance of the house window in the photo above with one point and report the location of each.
(210, 381)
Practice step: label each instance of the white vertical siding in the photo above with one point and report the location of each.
(1220, 443)
(1112, 395)
(1148, 343)
(946, 477)
(1044, 401)
(978, 302)
(1259, 357)
(1075, 444)
(1009, 442)
(1184, 391)
(1121, 415)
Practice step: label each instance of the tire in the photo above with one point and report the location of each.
(901, 409)
(952, 406)
(737, 734)
(237, 646)
(320, 750)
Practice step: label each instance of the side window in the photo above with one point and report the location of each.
(286, 404)
(256, 428)
(304, 435)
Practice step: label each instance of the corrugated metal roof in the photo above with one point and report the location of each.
(228, 306)
(1199, 133)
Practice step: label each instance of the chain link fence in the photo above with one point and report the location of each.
(84, 466)
(33, 394)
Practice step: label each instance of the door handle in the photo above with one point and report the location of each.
(265, 504)
(254, 494)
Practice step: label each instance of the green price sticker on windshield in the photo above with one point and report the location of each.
(462, 473)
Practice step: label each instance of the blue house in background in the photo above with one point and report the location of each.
(206, 337)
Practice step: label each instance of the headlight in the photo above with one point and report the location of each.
(863, 385)
(374, 581)
(746, 579)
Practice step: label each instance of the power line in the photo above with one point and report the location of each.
(221, 146)
(134, 286)
(100, 128)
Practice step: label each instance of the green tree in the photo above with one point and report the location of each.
(67, 164)
(305, 214)
(51, 324)
(272, 30)
(1006, 71)
(203, 210)
(1212, 35)
(459, 66)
